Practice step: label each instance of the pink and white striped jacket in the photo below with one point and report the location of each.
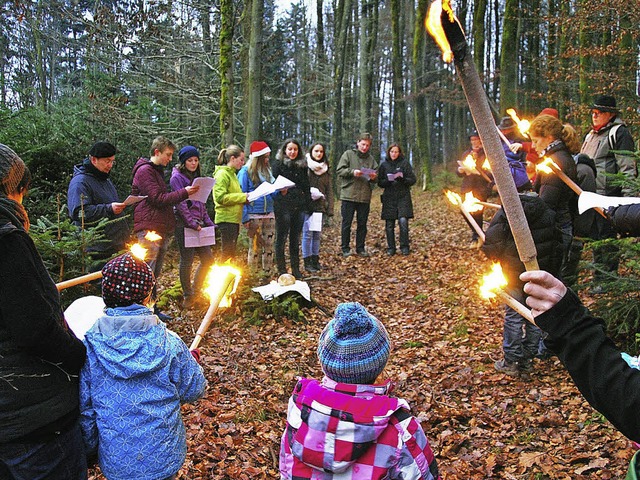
(345, 431)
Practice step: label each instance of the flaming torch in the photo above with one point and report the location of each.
(445, 28)
(469, 164)
(548, 166)
(467, 207)
(523, 125)
(492, 286)
(136, 250)
(222, 281)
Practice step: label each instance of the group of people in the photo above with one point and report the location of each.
(550, 207)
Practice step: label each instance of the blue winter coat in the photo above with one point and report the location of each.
(260, 206)
(136, 376)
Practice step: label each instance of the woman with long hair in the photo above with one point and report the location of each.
(228, 198)
(190, 214)
(320, 178)
(257, 216)
(396, 177)
(290, 204)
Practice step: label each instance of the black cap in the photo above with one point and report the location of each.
(506, 123)
(102, 150)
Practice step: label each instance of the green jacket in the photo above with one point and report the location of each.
(227, 195)
(355, 189)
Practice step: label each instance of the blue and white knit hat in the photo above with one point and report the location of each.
(354, 346)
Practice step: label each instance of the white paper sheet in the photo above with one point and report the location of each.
(273, 290)
(206, 185)
(588, 200)
(83, 313)
(266, 188)
(199, 238)
(133, 199)
(313, 222)
(316, 194)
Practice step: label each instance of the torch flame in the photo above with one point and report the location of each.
(546, 166)
(469, 163)
(152, 236)
(523, 125)
(471, 203)
(138, 251)
(453, 197)
(486, 166)
(214, 283)
(434, 27)
(492, 281)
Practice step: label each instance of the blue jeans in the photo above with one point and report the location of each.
(348, 209)
(521, 339)
(61, 457)
(310, 240)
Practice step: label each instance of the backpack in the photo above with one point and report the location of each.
(519, 174)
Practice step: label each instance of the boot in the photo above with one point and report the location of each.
(316, 262)
(309, 264)
(295, 271)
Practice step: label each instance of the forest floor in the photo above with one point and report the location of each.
(481, 424)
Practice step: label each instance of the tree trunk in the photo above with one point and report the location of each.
(420, 110)
(226, 72)
(254, 91)
(368, 40)
(399, 125)
(509, 57)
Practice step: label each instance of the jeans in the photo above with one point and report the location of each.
(521, 339)
(156, 252)
(348, 209)
(61, 457)
(288, 224)
(187, 256)
(389, 228)
(310, 240)
(228, 239)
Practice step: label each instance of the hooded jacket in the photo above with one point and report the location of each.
(352, 188)
(156, 211)
(365, 434)
(260, 206)
(298, 198)
(39, 356)
(189, 213)
(136, 376)
(91, 192)
(227, 195)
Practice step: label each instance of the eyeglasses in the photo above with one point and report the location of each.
(597, 113)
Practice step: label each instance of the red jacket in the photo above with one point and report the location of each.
(156, 211)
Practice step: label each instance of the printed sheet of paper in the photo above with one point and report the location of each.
(588, 200)
(313, 222)
(206, 185)
(392, 176)
(368, 172)
(133, 199)
(199, 238)
(266, 188)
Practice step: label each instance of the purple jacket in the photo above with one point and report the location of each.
(189, 213)
(156, 211)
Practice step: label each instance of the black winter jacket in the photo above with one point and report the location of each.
(396, 197)
(500, 246)
(40, 359)
(297, 198)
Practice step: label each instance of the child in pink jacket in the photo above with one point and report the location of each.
(347, 426)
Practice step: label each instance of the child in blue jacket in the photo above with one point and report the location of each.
(136, 376)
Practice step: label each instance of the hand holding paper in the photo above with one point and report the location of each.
(316, 194)
(392, 176)
(370, 173)
(133, 199)
(206, 185)
(266, 188)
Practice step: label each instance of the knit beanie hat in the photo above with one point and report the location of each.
(126, 280)
(186, 153)
(102, 150)
(258, 148)
(12, 170)
(354, 346)
(549, 111)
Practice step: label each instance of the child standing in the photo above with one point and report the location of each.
(136, 376)
(520, 348)
(362, 432)
(320, 178)
(190, 214)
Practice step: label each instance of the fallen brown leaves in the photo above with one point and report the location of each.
(481, 424)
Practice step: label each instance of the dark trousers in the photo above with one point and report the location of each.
(60, 457)
(288, 224)
(389, 229)
(228, 239)
(607, 257)
(187, 255)
(361, 210)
